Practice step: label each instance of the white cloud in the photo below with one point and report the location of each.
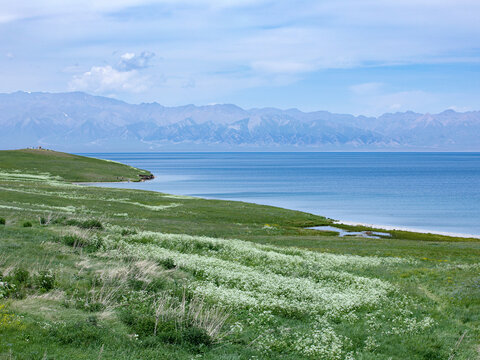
(24, 9)
(107, 80)
(214, 48)
(125, 78)
(130, 61)
(127, 56)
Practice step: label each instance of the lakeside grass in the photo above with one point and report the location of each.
(126, 274)
(69, 167)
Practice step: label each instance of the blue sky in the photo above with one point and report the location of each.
(349, 56)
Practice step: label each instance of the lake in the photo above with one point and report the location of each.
(437, 192)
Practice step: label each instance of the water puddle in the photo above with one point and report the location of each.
(343, 232)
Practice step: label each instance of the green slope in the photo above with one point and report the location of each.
(125, 274)
(69, 167)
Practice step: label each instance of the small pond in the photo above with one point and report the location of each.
(343, 232)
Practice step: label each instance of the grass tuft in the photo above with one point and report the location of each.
(27, 224)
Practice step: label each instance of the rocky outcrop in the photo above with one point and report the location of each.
(146, 177)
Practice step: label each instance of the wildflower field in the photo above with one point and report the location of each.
(122, 274)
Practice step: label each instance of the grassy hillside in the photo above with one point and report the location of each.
(69, 167)
(98, 273)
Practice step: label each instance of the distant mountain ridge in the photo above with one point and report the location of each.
(80, 122)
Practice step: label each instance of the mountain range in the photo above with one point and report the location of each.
(80, 122)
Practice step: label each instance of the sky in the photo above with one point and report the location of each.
(346, 56)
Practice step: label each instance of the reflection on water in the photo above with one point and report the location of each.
(342, 232)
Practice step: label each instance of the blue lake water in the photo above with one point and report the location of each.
(426, 191)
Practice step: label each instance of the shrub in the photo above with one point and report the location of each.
(19, 293)
(87, 224)
(43, 221)
(169, 332)
(83, 303)
(167, 263)
(27, 224)
(196, 336)
(89, 242)
(6, 289)
(13, 286)
(2, 221)
(142, 322)
(142, 240)
(47, 220)
(92, 320)
(138, 320)
(93, 307)
(170, 320)
(71, 240)
(72, 222)
(91, 224)
(157, 285)
(126, 232)
(21, 276)
(59, 220)
(45, 280)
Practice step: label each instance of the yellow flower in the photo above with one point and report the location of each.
(9, 320)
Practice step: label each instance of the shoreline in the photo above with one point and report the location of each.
(335, 221)
(402, 228)
(113, 182)
(104, 182)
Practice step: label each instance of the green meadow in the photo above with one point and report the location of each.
(67, 166)
(100, 273)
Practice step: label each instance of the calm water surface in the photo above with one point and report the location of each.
(428, 191)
